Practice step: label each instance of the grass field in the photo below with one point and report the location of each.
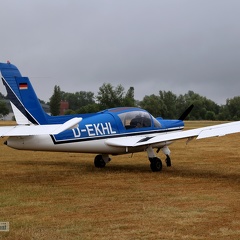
(63, 196)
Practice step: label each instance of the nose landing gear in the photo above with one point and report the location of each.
(168, 161)
(155, 164)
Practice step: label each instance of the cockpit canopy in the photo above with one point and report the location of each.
(137, 119)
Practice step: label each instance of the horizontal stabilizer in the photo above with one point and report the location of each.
(70, 124)
(30, 130)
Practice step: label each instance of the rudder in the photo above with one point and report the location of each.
(26, 106)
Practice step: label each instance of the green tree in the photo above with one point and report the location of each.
(55, 101)
(223, 113)
(168, 102)
(232, 108)
(182, 105)
(90, 108)
(169, 105)
(3, 108)
(163, 105)
(110, 97)
(210, 115)
(151, 104)
(78, 99)
(202, 106)
(128, 100)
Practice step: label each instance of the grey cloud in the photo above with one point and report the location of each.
(151, 45)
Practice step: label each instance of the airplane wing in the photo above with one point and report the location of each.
(29, 130)
(199, 133)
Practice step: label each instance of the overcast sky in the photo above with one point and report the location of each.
(152, 45)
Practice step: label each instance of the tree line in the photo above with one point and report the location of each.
(166, 104)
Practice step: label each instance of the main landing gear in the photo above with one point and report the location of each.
(100, 161)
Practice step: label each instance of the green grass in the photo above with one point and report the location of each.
(63, 196)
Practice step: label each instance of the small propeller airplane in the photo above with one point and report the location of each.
(113, 131)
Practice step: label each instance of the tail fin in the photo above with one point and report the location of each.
(26, 106)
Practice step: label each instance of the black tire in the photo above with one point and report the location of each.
(156, 164)
(99, 162)
(168, 161)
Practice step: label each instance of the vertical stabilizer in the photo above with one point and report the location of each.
(26, 106)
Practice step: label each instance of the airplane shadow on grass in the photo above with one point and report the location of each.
(45, 171)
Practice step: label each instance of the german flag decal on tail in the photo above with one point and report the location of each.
(23, 86)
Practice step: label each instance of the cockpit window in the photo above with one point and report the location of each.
(135, 119)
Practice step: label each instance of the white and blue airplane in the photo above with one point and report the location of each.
(110, 132)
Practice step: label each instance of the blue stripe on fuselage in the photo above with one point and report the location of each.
(67, 139)
(96, 126)
(107, 125)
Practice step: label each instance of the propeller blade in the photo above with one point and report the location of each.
(186, 112)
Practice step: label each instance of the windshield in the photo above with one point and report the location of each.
(135, 119)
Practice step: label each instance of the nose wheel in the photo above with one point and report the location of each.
(168, 161)
(155, 162)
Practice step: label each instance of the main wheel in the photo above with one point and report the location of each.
(156, 164)
(99, 162)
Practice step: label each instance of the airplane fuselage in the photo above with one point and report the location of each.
(45, 143)
(92, 132)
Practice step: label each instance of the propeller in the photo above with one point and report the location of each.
(186, 112)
